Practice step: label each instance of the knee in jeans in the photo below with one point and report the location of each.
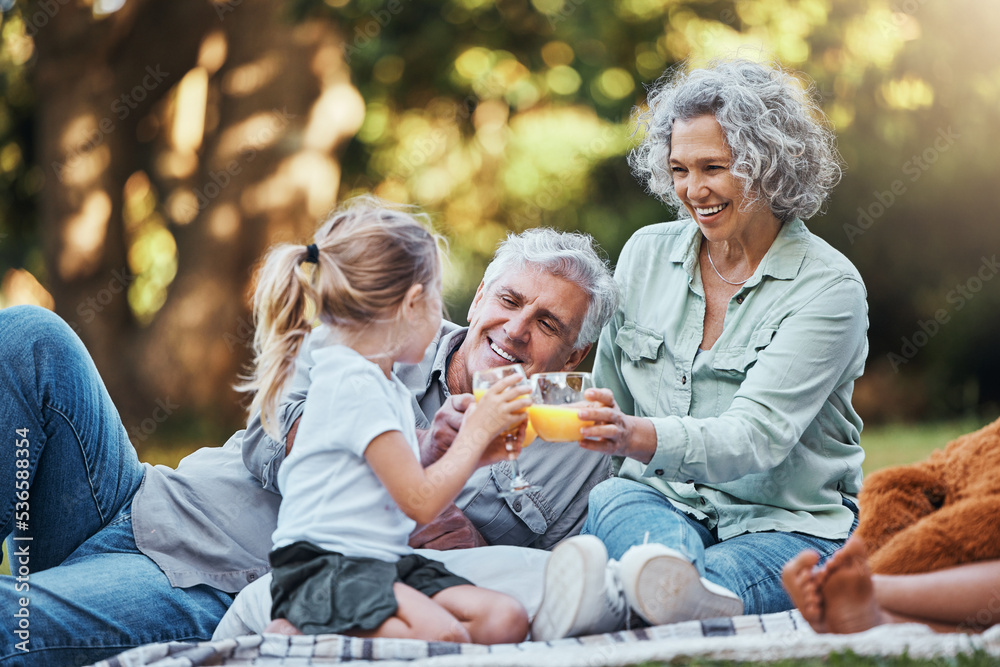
(614, 494)
(25, 327)
(28, 324)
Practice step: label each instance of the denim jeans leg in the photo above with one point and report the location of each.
(624, 513)
(106, 597)
(73, 467)
(750, 564)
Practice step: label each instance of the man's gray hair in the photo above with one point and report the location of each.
(568, 255)
(783, 149)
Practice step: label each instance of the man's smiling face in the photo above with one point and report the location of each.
(526, 316)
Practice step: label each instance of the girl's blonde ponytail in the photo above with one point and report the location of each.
(367, 257)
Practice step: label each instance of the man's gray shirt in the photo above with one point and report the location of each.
(210, 520)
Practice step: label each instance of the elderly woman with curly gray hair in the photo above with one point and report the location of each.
(728, 368)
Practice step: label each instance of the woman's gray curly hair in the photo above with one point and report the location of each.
(782, 147)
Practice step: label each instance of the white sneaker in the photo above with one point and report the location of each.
(582, 595)
(663, 586)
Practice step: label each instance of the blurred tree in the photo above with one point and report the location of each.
(492, 115)
(169, 165)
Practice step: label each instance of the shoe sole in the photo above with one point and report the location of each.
(669, 590)
(561, 613)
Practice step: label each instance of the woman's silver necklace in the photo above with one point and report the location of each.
(708, 251)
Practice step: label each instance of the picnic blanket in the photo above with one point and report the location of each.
(744, 638)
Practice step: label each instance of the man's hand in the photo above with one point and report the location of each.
(444, 428)
(450, 530)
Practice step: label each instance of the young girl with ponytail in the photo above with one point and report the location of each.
(352, 486)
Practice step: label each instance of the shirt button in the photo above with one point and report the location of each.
(517, 505)
(739, 299)
(251, 576)
(659, 471)
(684, 379)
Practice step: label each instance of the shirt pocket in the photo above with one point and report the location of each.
(738, 359)
(642, 366)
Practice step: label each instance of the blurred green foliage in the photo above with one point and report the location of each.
(502, 115)
(20, 179)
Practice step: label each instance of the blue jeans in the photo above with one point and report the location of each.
(80, 590)
(622, 511)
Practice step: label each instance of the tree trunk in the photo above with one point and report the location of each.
(279, 107)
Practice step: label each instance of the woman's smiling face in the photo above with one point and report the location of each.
(700, 163)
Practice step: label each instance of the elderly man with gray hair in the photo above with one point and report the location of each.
(542, 303)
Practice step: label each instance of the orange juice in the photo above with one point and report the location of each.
(529, 433)
(557, 423)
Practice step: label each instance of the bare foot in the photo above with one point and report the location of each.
(800, 580)
(281, 626)
(848, 597)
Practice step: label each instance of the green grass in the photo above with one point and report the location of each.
(899, 444)
(850, 659)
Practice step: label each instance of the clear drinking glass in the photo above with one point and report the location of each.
(483, 380)
(555, 399)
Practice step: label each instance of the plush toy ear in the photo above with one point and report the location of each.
(895, 498)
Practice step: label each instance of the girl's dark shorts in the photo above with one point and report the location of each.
(321, 591)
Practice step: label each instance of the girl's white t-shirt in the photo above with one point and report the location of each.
(330, 496)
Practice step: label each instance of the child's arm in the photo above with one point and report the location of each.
(423, 492)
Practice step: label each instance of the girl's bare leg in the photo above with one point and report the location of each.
(281, 626)
(418, 617)
(966, 597)
(488, 616)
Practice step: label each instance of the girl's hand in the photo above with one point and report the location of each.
(501, 408)
(497, 451)
(614, 432)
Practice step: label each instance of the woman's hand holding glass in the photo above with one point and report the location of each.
(614, 432)
(555, 401)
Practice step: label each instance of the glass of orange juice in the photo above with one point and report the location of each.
(555, 400)
(483, 380)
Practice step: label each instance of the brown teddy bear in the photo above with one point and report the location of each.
(937, 513)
